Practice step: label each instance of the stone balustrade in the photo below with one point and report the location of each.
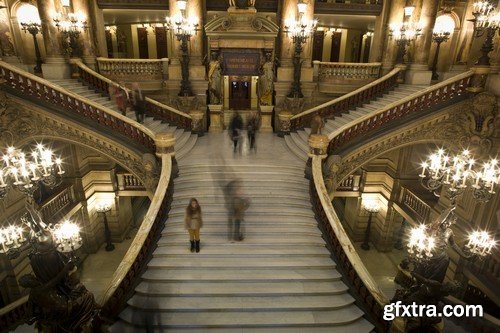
(128, 181)
(133, 69)
(58, 203)
(411, 201)
(338, 71)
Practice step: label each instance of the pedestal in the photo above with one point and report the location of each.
(197, 122)
(284, 123)
(266, 116)
(418, 74)
(216, 125)
(56, 68)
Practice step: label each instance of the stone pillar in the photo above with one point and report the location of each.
(8, 46)
(396, 14)
(216, 121)
(195, 9)
(96, 20)
(87, 38)
(419, 72)
(266, 116)
(308, 45)
(289, 11)
(380, 34)
(55, 66)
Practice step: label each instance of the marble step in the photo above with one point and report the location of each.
(264, 318)
(252, 210)
(268, 275)
(216, 185)
(358, 326)
(297, 152)
(190, 168)
(181, 152)
(251, 219)
(250, 232)
(224, 288)
(260, 239)
(240, 303)
(241, 248)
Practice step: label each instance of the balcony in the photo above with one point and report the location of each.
(133, 4)
(350, 7)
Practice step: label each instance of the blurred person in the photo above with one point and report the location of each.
(235, 128)
(238, 204)
(193, 223)
(120, 97)
(317, 124)
(139, 102)
(252, 127)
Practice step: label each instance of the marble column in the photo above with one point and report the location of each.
(395, 15)
(96, 21)
(308, 45)
(195, 9)
(289, 11)
(55, 66)
(87, 38)
(379, 34)
(418, 72)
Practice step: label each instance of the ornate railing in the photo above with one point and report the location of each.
(128, 181)
(350, 183)
(133, 4)
(354, 7)
(135, 69)
(335, 71)
(347, 101)
(348, 261)
(421, 101)
(135, 260)
(25, 84)
(415, 204)
(58, 203)
(153, 108)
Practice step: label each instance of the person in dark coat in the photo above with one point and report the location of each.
(235, 128)
(139, 103)
(252, 127)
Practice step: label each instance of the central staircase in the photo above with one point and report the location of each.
(280, 278)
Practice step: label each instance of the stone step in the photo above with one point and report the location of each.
(252, 219)
(267, 275)
(181, 151)
(261, 239)
(250, 232)
(252, 167)
(217, 185)
(208, 319)
(243, 288)
(358, 326)
(295, 149)
(211, 200)
(241, 248)
(239, 303)
(252, 210)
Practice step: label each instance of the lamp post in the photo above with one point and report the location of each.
(372, 207)
(443, 28)
(31, 23)
(299, 30)
(404, 33)
(103, 208)
(183, 29)
(486, 21)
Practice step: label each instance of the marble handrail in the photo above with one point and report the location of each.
(136, 257)
(347, 101)
(154, 108)
(421, 100)
(345, 254)
(45, 91)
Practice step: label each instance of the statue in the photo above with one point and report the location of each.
(266, 81)
(214, 79)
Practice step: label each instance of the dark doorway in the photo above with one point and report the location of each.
(366, 51)
(239, 94)
(161, 42)
(109, 43)
(142, 36)
(319, 36)
(335, 54)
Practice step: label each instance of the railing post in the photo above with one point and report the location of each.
(165, 143)
(402, 73)
(318, 146)
(478, 80)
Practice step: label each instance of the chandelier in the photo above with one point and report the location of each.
(486, 21)
(71, 23)
(459, 173)
(182, 26)
(25, 172)
(300, 30)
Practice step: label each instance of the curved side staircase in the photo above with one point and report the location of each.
(185, 140)
(280, 278)
(297, 141)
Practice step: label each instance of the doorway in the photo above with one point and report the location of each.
(239, 94)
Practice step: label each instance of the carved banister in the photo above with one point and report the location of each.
(348, 261)
(57, 203)
(137, 69)
(348, 70)
(347, 101)
(415, 204)
(153, 108)
(420, 101)
(25, 84)
(134, 261)
(128, 181)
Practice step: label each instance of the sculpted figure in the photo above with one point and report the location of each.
(214, 79)
(266, 81)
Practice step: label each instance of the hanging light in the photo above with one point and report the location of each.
(480, 243)
(421, 244)
(67, 236)
(301, 7)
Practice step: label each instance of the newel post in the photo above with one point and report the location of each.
(318, 146)
(285, 123)
(165, 143)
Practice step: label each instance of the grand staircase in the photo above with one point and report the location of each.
(280, 278)
(185, 141)
(297, 141)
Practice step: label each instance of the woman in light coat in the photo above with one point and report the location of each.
(193, 223)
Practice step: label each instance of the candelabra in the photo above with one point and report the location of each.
(26, 172)
(183, 28)
(71, 25)
(299, 30)
(372, 207)
(31, 23)
(404, 33)
(459, 173)
(486, 21)
(443, 28)
(103, 208)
